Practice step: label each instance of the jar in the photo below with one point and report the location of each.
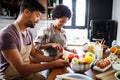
(114, 43)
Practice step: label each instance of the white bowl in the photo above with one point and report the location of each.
(117, 75)
(79, 67)
(116, 67)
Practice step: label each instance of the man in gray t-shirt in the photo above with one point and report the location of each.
(11, 41)
(17, 46)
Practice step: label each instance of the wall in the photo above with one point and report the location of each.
(116, 15)
(100, 9)
(42, 23)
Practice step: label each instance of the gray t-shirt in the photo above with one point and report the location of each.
(10, 40)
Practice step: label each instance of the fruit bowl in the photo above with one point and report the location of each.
(79, 68)
(80, 63)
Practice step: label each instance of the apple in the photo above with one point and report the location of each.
(77, 56)
(89, 57)
(60, 49)
(82, 55)
(75, 60)
(82, 61)
(65, 57)
(70, 57)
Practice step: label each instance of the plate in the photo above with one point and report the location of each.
(116, 67)
(102, 70)
(76, 75)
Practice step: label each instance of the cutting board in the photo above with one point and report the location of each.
(108, 75)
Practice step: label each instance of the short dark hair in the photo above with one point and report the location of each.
(32, 5)
(61, 11)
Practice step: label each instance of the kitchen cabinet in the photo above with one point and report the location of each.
(50, 6)
(11, 8)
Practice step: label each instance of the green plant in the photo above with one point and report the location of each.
(54, 1)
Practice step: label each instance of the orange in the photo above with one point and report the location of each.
(113, 49)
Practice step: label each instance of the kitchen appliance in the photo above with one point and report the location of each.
(106, 29)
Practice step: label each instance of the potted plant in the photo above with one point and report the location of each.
(54, 2)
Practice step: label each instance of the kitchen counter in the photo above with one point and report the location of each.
(94, 74)
(7, 17)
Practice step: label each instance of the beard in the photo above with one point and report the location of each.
(30, 24)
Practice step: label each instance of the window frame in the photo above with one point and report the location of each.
(73, 19)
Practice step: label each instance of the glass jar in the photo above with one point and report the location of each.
(114, 43)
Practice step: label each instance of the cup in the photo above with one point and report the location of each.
(98, 51)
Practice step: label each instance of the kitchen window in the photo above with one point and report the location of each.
(78, 8)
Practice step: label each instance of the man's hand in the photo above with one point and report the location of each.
(59, 56)
(60, 63)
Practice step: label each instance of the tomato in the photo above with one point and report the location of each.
(70, 57)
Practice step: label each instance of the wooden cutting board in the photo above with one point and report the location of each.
(109, 75)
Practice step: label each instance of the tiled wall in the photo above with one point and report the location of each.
(42, 23)
(5, 22)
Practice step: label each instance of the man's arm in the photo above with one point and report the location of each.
(38, 56)
(15, 60)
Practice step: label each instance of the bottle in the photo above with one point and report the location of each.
(114, 43)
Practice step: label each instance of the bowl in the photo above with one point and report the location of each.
(117, 75)
(116, 67)
(79, 68)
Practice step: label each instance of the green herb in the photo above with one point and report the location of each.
(54, 1)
